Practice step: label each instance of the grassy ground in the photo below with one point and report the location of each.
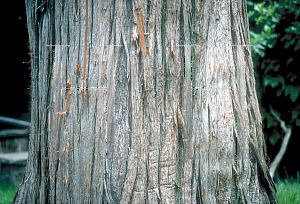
(10, 178)
(288, 191)
(7, 192)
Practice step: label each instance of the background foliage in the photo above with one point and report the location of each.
(275, 36)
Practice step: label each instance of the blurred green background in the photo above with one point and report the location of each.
(275, 36)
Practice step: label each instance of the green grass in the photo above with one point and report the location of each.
(7, 192)
(10, 178)
(288, 191)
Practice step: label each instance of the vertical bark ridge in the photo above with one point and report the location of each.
(152, 110)
(104, 30)
(170, 35)
(112, 138)
(136, 189)
(152, 194)
(188, 148)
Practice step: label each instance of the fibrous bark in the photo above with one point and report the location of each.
(127, 127)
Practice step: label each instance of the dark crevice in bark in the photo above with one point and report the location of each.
(88, 58)
(62, 6)
(234, 189)
(233, 39)
(112, 24)
(208, 116)
(147, 16)
(38, 130)
(129, 7)
(182, 60)
(162, 111)
(192, 23)
(159, 155)
(249, 66)
(180, 162)
(52, 49)
(181, 101)
(76, 6)
(164, 66)
(154, 64)
(46, 163)
(104, 199)
(67, 52)
(55, 183)
(78, 25)
(193, 40)
(93, 151)
(39, 166)
(126, 172)
(236, 146)
(147, 179)
(235, 195)
(148, 139)
(209, 129)
(199, 195)
(193, 177)
(144, 102)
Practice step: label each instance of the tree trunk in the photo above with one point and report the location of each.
(115, 119)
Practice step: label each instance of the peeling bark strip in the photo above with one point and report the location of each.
(141, 31)
(57, 77)
(57, 100)
(110, 100)
(157, 153)
(188, 101)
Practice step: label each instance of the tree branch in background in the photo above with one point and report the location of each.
(14, 132)
(288, 133)
(13, 121)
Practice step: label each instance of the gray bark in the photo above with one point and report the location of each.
(165, 142)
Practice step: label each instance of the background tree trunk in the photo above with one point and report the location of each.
(114, 120)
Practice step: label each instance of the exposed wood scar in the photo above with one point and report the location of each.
(141, 31)
(68, 100)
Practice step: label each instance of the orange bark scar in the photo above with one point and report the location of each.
(61, 113)
(69, 93)
(87, 97)
(68, 101)
(141, 31)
